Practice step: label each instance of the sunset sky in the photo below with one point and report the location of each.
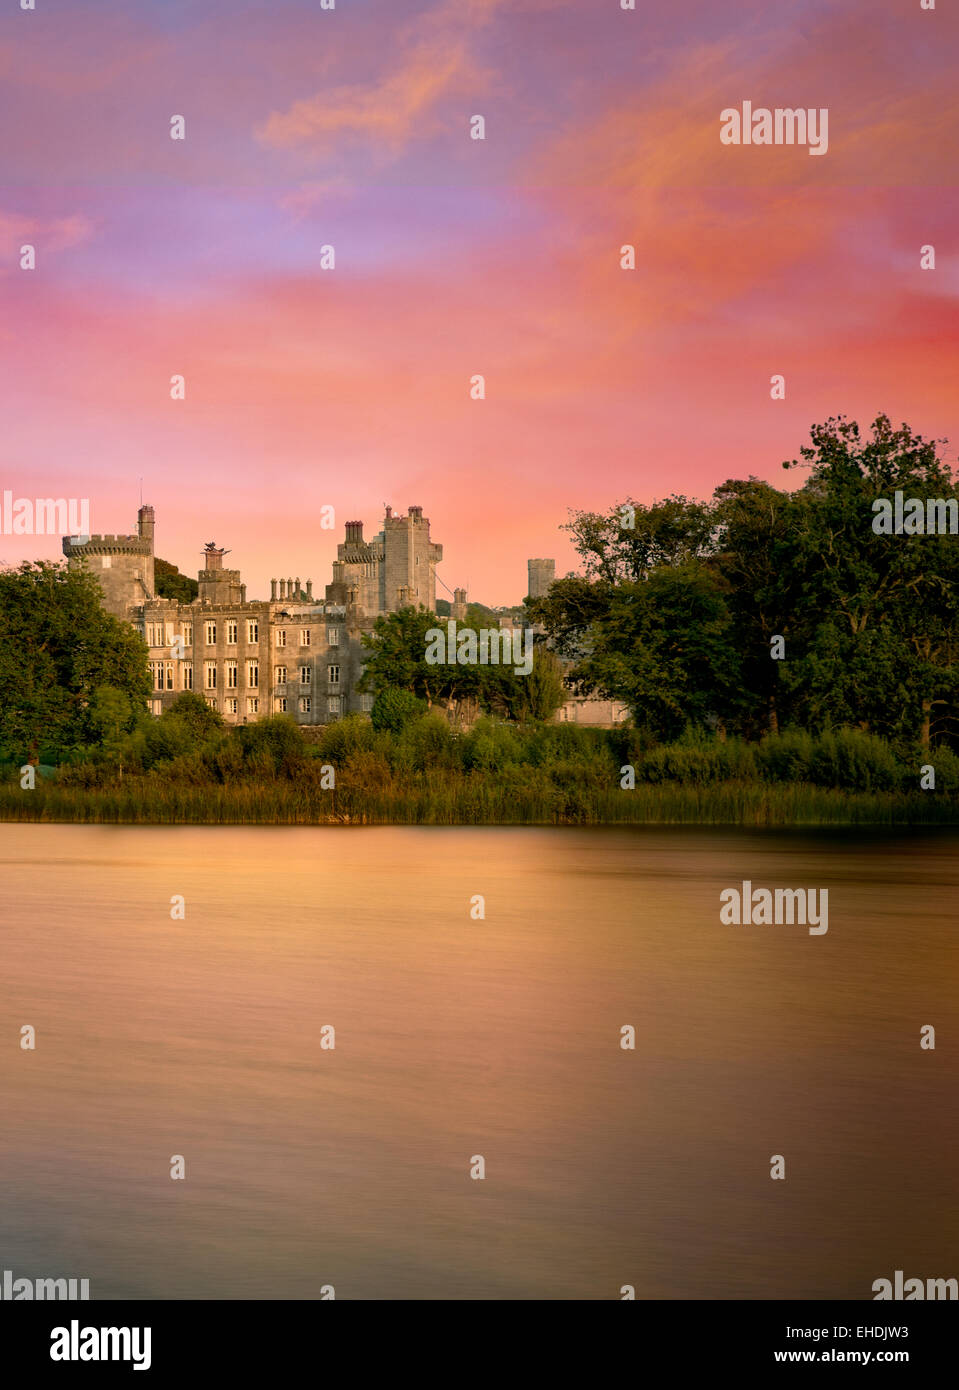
(350, 387)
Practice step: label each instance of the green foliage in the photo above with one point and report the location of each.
(675, 614)
(170, 583)
(504, 773)
(397, 661)
(393, 709)
(540, 694)
(396, 658)
(199, 717)
(57, 649)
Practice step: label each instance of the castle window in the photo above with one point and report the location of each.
(333, 636)
(188, 634)
(232, 706)
(169, 675)
(304, 636)
(231, 675)
(253, 674)
(209, 679)
(252, 706)
(231, 634)
(187, 676)
(106, 561)
(305, 705)
(279, 705)
(211, 701)
(253, 631)
(281, 675)
(211, 634)
(156, 706)
(333, 705)
(306, 675)
(334, 674)
(280, 637)
(366, 703)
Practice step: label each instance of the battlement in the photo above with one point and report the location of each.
(208, 608)
(112, 544)
(414, 515)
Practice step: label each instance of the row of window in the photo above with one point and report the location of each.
(163, 677)
(306, 675)
(281, 705)
(162, 635)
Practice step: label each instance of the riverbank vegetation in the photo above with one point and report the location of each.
(187, 767)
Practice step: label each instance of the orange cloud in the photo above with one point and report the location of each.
(435, 59)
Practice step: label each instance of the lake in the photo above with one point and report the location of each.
(456, 1037)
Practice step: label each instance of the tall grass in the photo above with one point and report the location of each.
(503, 774)
(440, 800)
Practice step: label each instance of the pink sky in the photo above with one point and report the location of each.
(350, 388)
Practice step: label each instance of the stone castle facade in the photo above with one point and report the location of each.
(291, 654)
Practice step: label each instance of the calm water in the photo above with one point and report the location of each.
(456, 1037)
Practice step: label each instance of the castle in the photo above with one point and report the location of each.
(292, 654)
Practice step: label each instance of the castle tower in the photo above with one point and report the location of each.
(216, 584)
(395, 569)
(541, 575)
(122, 565)
(356, 571)
(408, 573)
(458, 606)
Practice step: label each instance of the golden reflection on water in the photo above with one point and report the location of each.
(457, 1037)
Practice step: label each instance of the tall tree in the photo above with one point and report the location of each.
(57, 647)
(881, 611)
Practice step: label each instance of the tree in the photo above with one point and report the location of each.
(632, 539)
(397, 649)
(200, 718)
(755, 533)
(57, 646)
(170, 583)
(112, 716)
(664, 648)
(394, 709)
(870, 621)
(534, 697)
(880, 612)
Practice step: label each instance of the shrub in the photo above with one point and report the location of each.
(394, 709)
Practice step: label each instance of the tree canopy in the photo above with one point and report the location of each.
(683, 606)
(70, 673)
(397, 651)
